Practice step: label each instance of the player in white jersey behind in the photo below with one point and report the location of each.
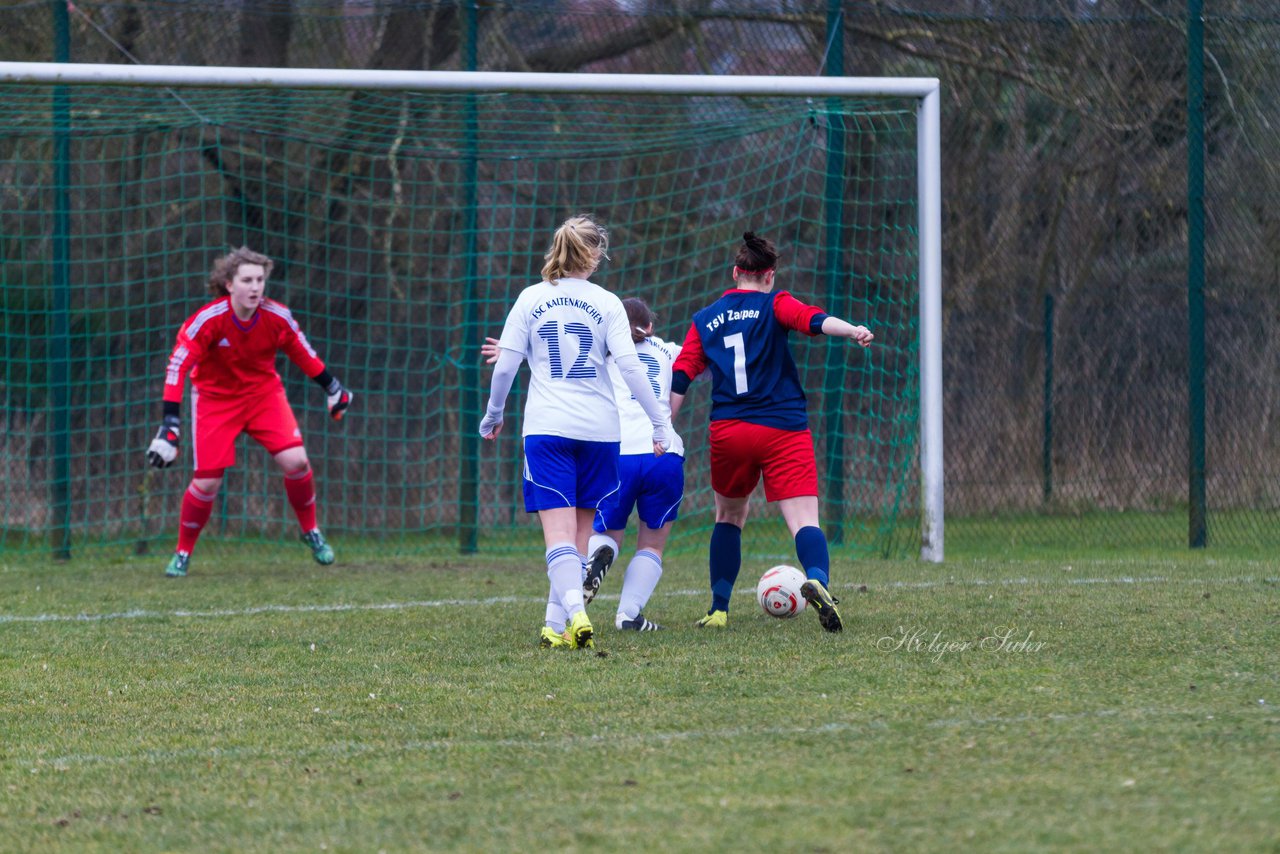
(652, 486)
(565, 326)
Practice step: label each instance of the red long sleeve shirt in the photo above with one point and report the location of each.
(226, 357)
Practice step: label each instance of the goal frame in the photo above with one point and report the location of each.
(928, 167)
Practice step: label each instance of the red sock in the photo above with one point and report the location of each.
(301, 489)
(197, 507)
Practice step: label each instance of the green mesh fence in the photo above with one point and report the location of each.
(1064, 157)
(403, 225)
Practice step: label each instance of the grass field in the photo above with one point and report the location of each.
(266, 704)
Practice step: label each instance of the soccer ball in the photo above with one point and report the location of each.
(779, 591)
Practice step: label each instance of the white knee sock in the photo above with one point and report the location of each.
(564, 569)
(642, 577)
(556, 618)
(598, 540)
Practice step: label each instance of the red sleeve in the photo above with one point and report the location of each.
(794, 314)
(691, 361)
(187, 353)
(294, 344)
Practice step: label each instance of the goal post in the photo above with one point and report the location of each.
(713, 173)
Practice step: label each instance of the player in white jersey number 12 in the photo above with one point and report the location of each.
(651, 486)
(564, 326)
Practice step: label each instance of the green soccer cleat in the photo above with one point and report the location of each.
(177, 567)
(551, 639)
(320, 550)
(713, 620)
(822, 602)
(580, 633)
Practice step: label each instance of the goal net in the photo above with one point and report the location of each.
(404, 216)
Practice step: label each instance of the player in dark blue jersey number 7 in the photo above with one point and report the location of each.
(759, 420)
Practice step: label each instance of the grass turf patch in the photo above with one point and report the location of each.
(265, 703)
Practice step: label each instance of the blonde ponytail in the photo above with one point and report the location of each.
(579, 244)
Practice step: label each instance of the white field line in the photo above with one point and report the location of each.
(144, 614)
(594, 741)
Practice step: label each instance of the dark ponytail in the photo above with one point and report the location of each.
(640, 316)
(756, 254)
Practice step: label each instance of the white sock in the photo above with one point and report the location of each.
(564, 569)
(642, 577)
(557, 619)
(598, 540)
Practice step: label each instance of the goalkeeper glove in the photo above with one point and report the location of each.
(338, 399)
(164, 447)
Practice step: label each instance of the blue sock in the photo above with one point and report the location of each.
(811, 548)
(726, 560)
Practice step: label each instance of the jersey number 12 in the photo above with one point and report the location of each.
(550, 332)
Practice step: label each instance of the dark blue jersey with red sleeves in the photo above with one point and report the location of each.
(742, 338)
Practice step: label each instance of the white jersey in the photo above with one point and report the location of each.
(656, 357)
(565, 331)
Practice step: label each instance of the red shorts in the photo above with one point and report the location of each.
(741, 452)
(219, 420)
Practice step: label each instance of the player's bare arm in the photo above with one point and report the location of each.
(838, 328)
(677, 401)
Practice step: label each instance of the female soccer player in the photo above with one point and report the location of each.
(654, 486)
(230, 347)
(565, 326)
(759, 420)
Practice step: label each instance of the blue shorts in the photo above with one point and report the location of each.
(560, 472)
(652, 485)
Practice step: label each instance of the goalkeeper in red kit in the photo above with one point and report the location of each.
(229, 347)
